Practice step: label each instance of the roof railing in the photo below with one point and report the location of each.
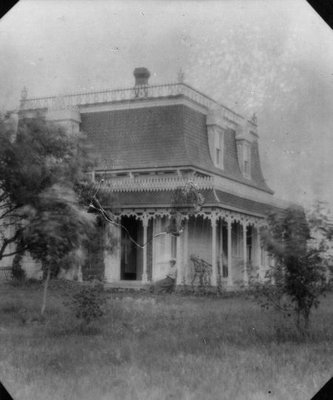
(130, 94)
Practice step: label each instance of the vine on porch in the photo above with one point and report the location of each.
(186, 200)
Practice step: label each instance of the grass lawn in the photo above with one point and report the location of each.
(161, 347)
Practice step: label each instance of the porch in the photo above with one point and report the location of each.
(228, 242)
(127, 285)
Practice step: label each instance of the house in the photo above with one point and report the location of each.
(151, 141)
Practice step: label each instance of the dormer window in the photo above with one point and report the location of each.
(244, 158)
(219, 149)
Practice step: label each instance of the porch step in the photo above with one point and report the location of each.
(135, 285)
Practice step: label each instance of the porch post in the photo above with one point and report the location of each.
(230, 278)
(272, 267)
(144, 250)
(213, 220)
(179, 260)
(246, 274)
(258, 239)
(221, 252)
(185, 253)
(112, 259)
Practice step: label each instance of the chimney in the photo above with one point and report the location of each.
(141, 76)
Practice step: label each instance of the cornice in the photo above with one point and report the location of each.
(143, 103)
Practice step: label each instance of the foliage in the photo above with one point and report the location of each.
(35, 161)
(58, 228)
(201, 271)
(321, 225)
(186, 200)
(88, 303)
(17, 271)
(187, 197)
(319, 221)
(100, 241)
(297, 279)
(41, 168)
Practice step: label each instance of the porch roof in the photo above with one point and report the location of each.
(163, 199)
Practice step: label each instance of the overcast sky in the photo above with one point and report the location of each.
(274, 58)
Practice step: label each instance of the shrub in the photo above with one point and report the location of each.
(18, 272)
(88, 303)
(298, 277)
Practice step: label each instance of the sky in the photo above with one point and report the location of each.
(273, 58)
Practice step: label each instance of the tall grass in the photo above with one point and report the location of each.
(161, 347)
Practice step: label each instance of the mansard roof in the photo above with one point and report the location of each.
(164, 136)
(156, 127)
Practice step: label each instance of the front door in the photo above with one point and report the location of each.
(130, 252)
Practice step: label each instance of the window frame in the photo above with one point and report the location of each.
(246, 164)
(219, 148)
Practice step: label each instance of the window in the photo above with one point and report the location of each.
(246, 160)
(237, 240)
(244, 157)
(249, 233)
(218, 156)
(173, 246)
(246, 168)
(263, 256)
(219, 149)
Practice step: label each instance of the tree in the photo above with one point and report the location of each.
(298, 274)
(58, 228)
(321, 226)
(41, 174)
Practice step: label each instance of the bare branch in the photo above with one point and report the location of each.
(9, 211)
(6, 242)
(21, 250)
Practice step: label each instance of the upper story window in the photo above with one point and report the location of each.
(244, 158)
(216, 143)
(247, 160)
(219, 149)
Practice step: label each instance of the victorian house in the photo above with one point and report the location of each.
(152, 140)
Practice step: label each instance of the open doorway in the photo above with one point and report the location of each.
(131, 255)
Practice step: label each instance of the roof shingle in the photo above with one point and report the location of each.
(164, 136)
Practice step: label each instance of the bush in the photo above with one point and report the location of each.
(17, 271)
(298, 274)
(88, 303)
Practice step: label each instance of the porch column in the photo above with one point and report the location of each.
(145, 249)
(185, 260)
(246, 274)
(213, 220)
(221, 260)
(258, 254)
(179, 259)
(230, 278)
(112, 259)
(272, 268)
